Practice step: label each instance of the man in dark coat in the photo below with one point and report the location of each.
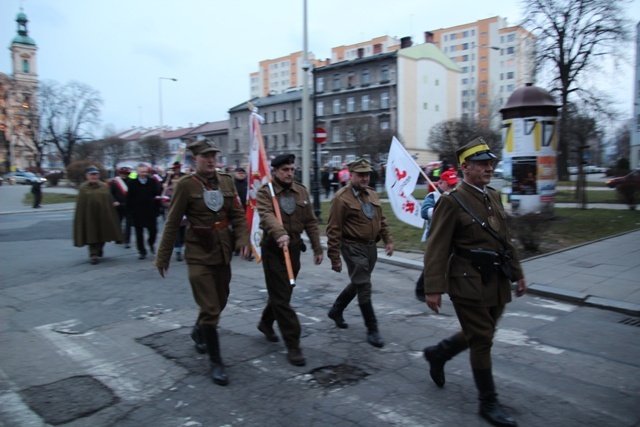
(36, 190)
(142, 205)
(95, 221)
(119, 190)
(469, 255)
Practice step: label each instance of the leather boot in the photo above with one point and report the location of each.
(268, 331)
(439, 354)
(218, 374)
(420, 288)
(196, 336)
(343, 300)
(490, 408)
(373, 336)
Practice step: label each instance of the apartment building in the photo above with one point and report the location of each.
(495, 59)
(281, 74)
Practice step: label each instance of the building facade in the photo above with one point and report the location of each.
(19, 117)
(495, 59)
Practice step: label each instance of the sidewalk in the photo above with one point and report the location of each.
(603, 273)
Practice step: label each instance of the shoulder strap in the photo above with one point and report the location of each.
(482, 223)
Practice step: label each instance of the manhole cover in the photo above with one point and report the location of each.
(338, 375)
(68, 399)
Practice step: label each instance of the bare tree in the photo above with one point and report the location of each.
(114, 150)
(447, 136)
(153, 149)
(68, 115)
(88, 150)
(573, 37)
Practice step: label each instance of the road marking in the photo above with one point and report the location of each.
(531, 316)
(553, 305)
(519, 338)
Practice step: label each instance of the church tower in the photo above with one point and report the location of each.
(23, 54)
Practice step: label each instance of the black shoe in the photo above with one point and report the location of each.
(295, 357)
(196, 336)
(142, 256)
(268, 332)
(218, 374)
(375, 339)
(178, 256)
(436, 365)
(336, 315)
(93, 260)
(127, 245)
(493, 412)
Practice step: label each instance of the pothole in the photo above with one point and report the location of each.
(338, 375)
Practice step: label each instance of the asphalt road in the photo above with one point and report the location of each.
(108, 345)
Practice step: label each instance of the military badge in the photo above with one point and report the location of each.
(213, 199)
(287, 204)
(494, 223)
(367, 210)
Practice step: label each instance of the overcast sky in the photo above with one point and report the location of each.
(121, 47)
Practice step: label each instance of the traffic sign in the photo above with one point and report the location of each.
(321, 135)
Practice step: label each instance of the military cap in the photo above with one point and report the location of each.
(240, 170)
(203, 146)
(475, 150)
(92, 169)
(360, 166)
(283, 159)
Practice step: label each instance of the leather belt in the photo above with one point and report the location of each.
(220, 225)
(360, 242)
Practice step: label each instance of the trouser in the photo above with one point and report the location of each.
(37, 198)
(95, 249)
(153, 231)
(479, 325)
(280, 291)
(126, 232)
(210, 288)
(360, 260)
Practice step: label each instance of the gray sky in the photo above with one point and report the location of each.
(121, 47)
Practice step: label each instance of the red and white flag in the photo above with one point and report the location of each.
(259, 174)
(400, 181)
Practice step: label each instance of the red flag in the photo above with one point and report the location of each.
(259, 174)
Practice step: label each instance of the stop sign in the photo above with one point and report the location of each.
(321, 135)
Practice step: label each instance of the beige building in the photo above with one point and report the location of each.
(19, 118)
(495, 59)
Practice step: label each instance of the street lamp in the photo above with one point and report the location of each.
(160, 79)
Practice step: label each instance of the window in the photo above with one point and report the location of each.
(265, 139)
(384, 73)
(465, 46)
(335, 134)
(299, 139)
(351, 77)
(384, 125)
(437, 107)
(285, 115)
(351, 104)
(275, 142)
(336, 81)
(319, 109)
(384, 100)
(511, 50)
(320, 84)
(365, 76)
(351, 135)
(365, 102)
(274, 117)
(336, 106)
(236, 123)
(285, 141)
(511, 37)
(464, 58)
(465, 81)
(453, 36)
(25, 66)
(510, 75)
(237, 145)
(299, 113)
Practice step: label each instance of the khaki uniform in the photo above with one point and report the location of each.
(209, 240)
(478, 303)
(300, 217)
(353, 235)
(95, 220)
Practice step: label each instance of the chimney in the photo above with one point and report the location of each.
(428, 37)
(405, 42)
(360, 52)
(327, 61)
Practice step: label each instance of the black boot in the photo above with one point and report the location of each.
(490, 408)
(373, 336)
(218, 374)
(343, 300)
(439, 354)
(420, 288)
(196, 336)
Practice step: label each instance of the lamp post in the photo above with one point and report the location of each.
(306, 129)
(160, 79)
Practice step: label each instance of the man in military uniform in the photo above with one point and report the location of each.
(210, 203)
(469, 255)
(356, 223)
(297, 216)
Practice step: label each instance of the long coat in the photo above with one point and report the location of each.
(95, 220)
(142, 204)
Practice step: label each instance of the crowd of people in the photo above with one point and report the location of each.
(468, 252)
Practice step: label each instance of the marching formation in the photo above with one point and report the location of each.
(468, 255)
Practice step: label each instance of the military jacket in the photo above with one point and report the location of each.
(188, 200)
(454, 229)
(347, 221)
(296, 211)
(95, 219)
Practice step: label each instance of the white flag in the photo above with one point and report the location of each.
(400, 181)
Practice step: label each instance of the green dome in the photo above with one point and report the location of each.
(24, 40)
(23, 35)
(21, 16)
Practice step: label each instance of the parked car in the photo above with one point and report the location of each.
(630, 180)
(23, 177)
